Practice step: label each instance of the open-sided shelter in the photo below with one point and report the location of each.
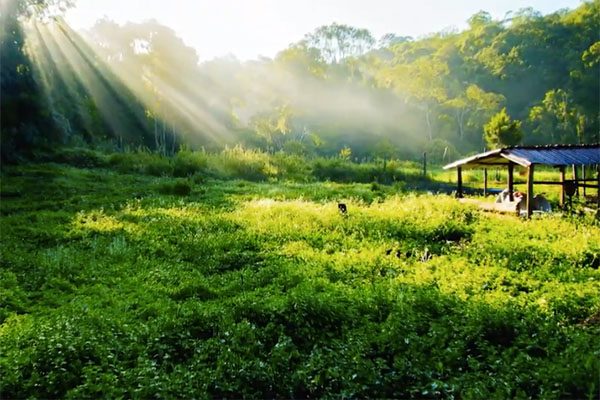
(559, 156)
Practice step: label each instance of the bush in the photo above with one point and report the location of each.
(79, 157)
(188, 163)
(240, 163)
(440, 151)
(177, 188)
(339, 170)
(141, 162)
(292, 167)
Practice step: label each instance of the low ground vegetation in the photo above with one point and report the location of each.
(119, 281)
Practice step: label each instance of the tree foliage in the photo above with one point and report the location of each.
(336, 87)
(501, 130)
(26, 120)
(336, 42)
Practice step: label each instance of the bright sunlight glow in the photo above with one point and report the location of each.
(249, 29)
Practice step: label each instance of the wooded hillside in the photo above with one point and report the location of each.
(125, 86)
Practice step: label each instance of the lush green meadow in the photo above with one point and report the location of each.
(117, 283)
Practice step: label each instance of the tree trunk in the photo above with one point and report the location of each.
(460, 119)
(428, 120)
(173, 140)
(163, 144)
(156, 148)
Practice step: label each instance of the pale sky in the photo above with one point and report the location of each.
(252, 28)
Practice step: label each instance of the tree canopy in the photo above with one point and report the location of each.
(140, 85)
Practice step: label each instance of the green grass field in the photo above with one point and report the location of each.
(123, 285)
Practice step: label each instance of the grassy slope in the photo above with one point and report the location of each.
(110, 288)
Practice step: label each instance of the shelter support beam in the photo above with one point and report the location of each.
(580, 182)
(459, 189)
(562, 188)
(511, 169)
(575, 179)
(530, 171)
(583, 177)
(598, 192)
(485, 182)
(585, 185)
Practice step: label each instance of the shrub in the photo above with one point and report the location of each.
(177, 188)
(440, 151)
(141, 162)
(292, 167)
(79, 157)
(339, 170)
(188, 163)
(241, 163)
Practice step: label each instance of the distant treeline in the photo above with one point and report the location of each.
(527, 79)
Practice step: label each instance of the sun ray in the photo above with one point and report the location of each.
(185, 109)
(52, 76)
(69, 66)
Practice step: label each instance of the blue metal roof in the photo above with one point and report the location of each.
(558, 156)
(555, 155)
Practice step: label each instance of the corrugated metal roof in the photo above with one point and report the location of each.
(556, 155)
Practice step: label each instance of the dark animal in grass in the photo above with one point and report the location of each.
(398, 253)
(343, 209)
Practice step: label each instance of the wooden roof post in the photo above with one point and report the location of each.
(459, 189)
(598, 193)
(562, 186)
(530, 170)
(583, 177)
(485, 182)
(575, 180)
(511, 168)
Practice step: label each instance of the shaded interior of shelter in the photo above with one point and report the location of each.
(583, 161)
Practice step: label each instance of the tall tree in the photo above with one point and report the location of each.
(501, 130)
(472, 107)
(556, 119)
(336, 42)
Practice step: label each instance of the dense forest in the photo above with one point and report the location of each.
(525, 79)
